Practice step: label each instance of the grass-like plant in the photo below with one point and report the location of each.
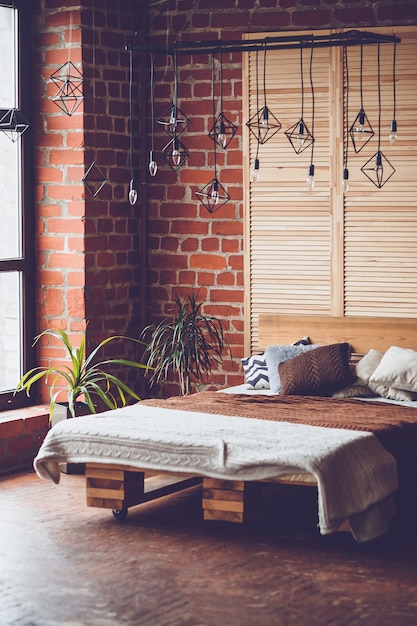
(187, 346)
(85, 378)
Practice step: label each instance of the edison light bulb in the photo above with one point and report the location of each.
(361, 122)
(255, 171)
(345, 181)
(222, 137)
(214, 192)
(300, 138)
(153, 167)
(379, 169)
(172, 124)
(310, 178)
(176, 154)
(393, 134)
(265, 118)
(133, 194)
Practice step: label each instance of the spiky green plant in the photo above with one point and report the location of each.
(186, 346)
(85, 379)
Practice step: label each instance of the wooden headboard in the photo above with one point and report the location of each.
(363, 333)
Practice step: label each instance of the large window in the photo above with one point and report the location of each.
(17, 311)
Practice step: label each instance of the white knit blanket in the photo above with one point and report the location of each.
(355, 475)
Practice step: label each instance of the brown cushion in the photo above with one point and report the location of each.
(319, 372)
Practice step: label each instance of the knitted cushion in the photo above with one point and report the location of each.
(319, 372)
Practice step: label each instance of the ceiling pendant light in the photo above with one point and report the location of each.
(223, 130)
(213, 195)
(175, 153)
(393, 132)
(255, 173)
(263, 124)
(298, 134)
(173, 120)
(311, 181)
(152, 165)
(94, 178)
(133, 192)
(345, 175)
(361, 131)
(378, 169)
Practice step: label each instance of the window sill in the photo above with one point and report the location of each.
(22, 432)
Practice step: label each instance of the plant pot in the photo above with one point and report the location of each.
(62, 412)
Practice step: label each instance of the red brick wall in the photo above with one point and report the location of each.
(88, 248)
(90, 265)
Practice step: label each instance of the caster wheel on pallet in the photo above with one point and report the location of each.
(119, 514)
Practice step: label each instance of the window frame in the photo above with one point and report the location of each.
(26, 264)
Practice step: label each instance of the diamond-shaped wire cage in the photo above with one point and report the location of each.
(299, 136)
(94, 179)
(263, 125)
(175, 153)
(213, 195)
(378, 169)
(361, 131)
(222, 131)
(173, 121)
(13, 124)
(69, 81)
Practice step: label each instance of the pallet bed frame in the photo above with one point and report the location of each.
(119, 487)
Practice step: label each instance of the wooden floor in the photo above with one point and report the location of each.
(63, 564)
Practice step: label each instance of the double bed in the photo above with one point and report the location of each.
(356, 449)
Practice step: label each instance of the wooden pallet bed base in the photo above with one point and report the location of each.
(121, 487)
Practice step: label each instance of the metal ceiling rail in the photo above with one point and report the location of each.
(285, 42)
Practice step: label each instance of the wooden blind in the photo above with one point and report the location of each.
(321, 252)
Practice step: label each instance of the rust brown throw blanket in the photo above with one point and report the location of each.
(395, 426)
(312, 410)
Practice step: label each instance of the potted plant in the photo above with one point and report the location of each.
(85, 378)
(185, 347)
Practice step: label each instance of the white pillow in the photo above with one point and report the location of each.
(397, 369)
(367, 366)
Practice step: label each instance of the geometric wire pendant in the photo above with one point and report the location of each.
(222, 131)
(70, 82)
(173, 121)
(13, 124)
(263, 125)
(361, 131)
(175, 153)
(299, 136)
(94, 179)
(378, 169)
(213, 195)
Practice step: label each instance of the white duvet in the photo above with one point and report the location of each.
(356, 476)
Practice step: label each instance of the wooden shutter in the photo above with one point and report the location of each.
(320, 252)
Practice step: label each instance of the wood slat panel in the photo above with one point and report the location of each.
(322, 252)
